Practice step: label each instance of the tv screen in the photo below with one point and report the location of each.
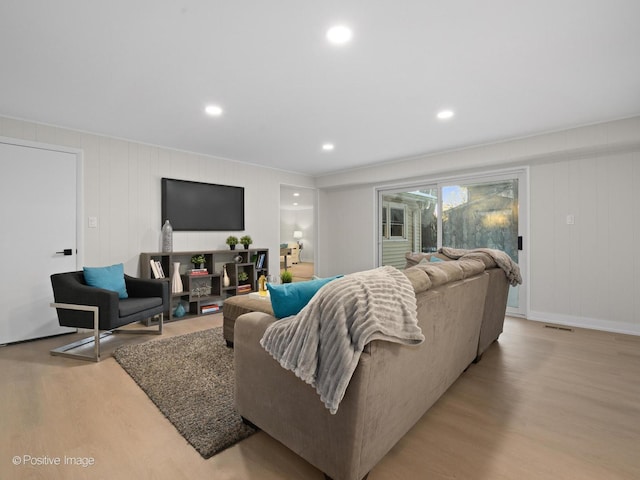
(202, 206)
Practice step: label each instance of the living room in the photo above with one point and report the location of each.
(579, 276)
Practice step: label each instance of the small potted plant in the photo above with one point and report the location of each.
(286, 277)
(232, 242)
(243, 277)
(198, 261)
(246, 241)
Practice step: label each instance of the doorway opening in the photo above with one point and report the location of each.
(297, 231)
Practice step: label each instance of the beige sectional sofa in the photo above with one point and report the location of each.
(461, 306)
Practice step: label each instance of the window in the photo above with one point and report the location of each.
(394, 221)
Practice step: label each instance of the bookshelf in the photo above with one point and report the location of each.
(204, 293)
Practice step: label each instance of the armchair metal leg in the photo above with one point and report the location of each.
(144, 332)
(64, 351)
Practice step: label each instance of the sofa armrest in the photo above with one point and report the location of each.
(144, 288)
(495, 308)
(69, 288)
(291, 411)
(247, 332)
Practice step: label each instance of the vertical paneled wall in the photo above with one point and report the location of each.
(346, 230)
(585, 274)
(122, 190)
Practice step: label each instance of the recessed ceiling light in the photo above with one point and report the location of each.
(295, 204)
(296, 194)
(445, 114)
(327, 147)
(213, 110)
(339, 34)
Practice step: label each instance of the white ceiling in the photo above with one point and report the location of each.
(145, 69)
(297, 198)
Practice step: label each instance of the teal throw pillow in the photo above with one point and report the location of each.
(109, 278)
(433, 259)
(289, 298)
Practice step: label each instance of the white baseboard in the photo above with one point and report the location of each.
(584, 322)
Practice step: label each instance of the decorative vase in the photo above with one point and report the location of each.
(179, 311)
(225, 278)
(262, 285)
(176, 280)
(167, 237)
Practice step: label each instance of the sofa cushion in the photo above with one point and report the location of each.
(108, 278)
(442, 272)
(483, 257)
(130, 306)
(471, 267)
(289, 298)
(414, 258)
(418, 278)
(433, 258)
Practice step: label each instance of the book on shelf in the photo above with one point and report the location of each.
(213, 307)
(156, 269)
(198, 271)
(244, 288)
(260, 260)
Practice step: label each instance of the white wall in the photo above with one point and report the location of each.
(346, 230)
(586, 274)
(582, 275)
(122, 189)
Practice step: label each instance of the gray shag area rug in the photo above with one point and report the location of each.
(191, 380)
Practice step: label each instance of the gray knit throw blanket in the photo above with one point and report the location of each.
(323, 343)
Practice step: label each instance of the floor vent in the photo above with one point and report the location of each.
(556, 327)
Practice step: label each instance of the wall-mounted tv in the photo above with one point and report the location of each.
(191, 206)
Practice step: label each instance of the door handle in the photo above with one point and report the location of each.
(66, 251)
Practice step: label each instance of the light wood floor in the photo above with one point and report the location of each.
(541, 404)
(301, 271)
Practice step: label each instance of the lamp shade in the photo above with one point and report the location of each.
(297, 234)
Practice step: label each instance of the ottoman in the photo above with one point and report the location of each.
(238, 305)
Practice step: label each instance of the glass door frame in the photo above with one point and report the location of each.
(521, 173)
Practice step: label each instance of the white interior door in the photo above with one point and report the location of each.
(38, 218)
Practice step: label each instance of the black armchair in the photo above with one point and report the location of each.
(82, 306)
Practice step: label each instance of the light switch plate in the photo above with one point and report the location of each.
(93, 222)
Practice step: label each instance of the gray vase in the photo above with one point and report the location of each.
(167, 237)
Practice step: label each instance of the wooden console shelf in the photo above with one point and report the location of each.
(205, 293)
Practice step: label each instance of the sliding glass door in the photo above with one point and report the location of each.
(409, 223)
(483, 214)
(466, 213)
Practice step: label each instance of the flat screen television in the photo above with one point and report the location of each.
(197, 206)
